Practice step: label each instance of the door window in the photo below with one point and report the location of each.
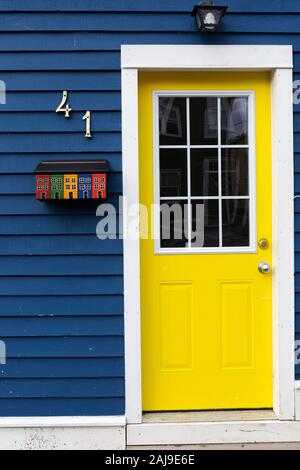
(205, 162)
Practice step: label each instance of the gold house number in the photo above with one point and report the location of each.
(65, 108)
(87, 118)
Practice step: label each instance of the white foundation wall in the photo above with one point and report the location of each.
(63, 434)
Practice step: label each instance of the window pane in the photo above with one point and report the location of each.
(205, 223)
(235, 172)
(173, 224)
(204, 121)
(234, 112)
(173, 172)
(204, 172)
(172, 121)
(235, 222)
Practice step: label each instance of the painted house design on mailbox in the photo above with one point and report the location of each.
(57, 186)
(127, 338)
(70, 186)
(43, 187)
(99, 186)
(85, 186)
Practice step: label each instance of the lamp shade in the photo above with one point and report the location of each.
(208, 16)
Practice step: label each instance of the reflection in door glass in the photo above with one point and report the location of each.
(173, 172)
(235, 222)
(204, 121)
(204, 172)
(205, 223)
(235, 180)
(172, 121)
(234, 118)
(173, 224)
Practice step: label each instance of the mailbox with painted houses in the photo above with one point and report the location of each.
(72, 180)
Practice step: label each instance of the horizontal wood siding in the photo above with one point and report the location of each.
(61, 289)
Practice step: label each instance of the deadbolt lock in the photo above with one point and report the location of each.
(263, 244)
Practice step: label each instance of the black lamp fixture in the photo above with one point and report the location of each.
(208, 16)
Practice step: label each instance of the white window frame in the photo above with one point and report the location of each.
(251, 170)
(278, 60)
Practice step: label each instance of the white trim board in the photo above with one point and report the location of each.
(78, 438)
(63, 422)
(297, 400)
(63, 433)
(232, 432)
(278, 60)
(220, 57)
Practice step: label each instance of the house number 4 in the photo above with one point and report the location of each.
(67, 110)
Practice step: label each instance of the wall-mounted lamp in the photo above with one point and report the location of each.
(208, 16)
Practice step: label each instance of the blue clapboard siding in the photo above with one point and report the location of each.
(56, 306)
(49, 326)
(61, 406)
(49, 245)
(47, 122)
(72, 80)
(26, 163)
(20, 204)
(51, 285)
(61, 289)
(111, 41)
(69, 388)
(35, 143)
(48, 101)
(61, 266)
(49, 224)
(167, 21)
(56, 368)
(55, 60)
(71, 347)
(243, 6)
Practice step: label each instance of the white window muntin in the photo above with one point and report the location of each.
(251, 167)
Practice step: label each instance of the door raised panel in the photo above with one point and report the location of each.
(177, 326)
(236, 305)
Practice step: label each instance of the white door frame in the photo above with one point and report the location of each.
(278, 60)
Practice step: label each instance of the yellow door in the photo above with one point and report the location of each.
(205, 161)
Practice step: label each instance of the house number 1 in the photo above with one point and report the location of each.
(87, 118)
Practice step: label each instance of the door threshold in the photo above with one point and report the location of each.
(209, 416)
